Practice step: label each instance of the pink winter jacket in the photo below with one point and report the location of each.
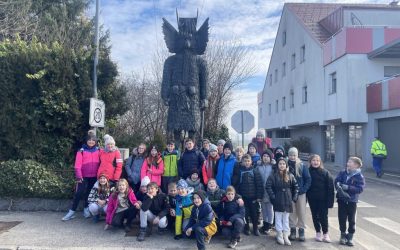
(113, 204)
(86, 163)
(154, 173)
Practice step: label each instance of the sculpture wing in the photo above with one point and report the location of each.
(170, 36)
(202, 38)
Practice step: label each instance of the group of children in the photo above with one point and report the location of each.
(198, 196)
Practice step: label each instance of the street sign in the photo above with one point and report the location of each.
(97, 113)
(242, 121)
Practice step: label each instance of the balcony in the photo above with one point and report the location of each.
(358, 40)
(383, 95)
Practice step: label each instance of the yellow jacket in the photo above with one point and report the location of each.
(378, 148)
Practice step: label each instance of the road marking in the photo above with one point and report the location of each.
(360, 204)
(364, 238)
(385, 223)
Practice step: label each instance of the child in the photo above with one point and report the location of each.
(265, 169)
(214, 193)
(202, 220)
(252, 151)
(194, 180)
(172, 193)
(320, 196)
(142, 190)
(206, 148)
(170, 158)
(231, 216)
(98, 197)
(239, 153)
(282, 190)
(134, 165)
(87, 162)
(349, 184)
(303, 179)
(111, 161)
(226, 164)
(122, 205)
(209, 168)
(153, 166)
(261, 141)
(279, 152)
(248, 184)
(220, 147)
(154, 210)
(183, 209)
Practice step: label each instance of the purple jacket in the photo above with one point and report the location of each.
(356, 183)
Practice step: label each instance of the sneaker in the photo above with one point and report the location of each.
(343, 239)
(142, 234)
(232, 244)
(326, 238)
(70, 215)
(292, 235)
(301, 234)
(86, 212)
(318, 237)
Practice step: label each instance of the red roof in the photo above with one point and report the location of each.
(310, 14)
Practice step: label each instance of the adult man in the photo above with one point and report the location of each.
(191, 158)
(378, 152)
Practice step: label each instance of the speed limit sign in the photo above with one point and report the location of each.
(97, 113)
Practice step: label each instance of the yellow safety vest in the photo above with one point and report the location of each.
(378, 148)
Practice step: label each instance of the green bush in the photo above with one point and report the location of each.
(27, 178)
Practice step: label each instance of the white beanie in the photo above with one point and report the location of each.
(108, 139)
(261, 132)
(145, 181)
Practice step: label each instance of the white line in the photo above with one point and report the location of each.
(360, 204)
(364, 238)
(385, 223)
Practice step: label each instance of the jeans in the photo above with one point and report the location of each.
(377, 164)
(200, 234)
(268, 212)
(82, 191)
(282, 221)
(233, 232)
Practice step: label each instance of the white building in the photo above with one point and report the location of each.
(324, 60)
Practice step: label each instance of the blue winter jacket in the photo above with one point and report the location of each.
(201, 216)
(225, 171)
(355, 181)
(133, 166)
(304, 178)
(255, 158)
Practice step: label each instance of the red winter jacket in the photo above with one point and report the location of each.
(156, 172)
(107, 162)
(87, 163)
(113, 204)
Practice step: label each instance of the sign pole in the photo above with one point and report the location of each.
(241, 111)
(96, 55)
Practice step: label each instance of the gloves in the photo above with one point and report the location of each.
(178, 237)
(224, 223)
(345, 187)
(295, 198)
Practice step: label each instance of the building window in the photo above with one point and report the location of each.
(355, 142)
(330, 143)
(284, 38)
(260, 112)
(276, 75)
(283, 133)
(276, 106)
(283, 69)
(293, 62)
(302, 54)
(305, 95)
(390, 71)
(333, 83)
(269, 109)
(269, 134)
(270, 79)
(283, 103)
(291, 98)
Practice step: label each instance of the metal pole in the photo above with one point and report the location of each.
(96, 54)
(241, 112)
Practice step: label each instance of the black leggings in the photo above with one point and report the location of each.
(319, 211)
(128, 214)
(347, 211)
(82, 191)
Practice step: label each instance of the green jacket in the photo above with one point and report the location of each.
(378, 149)
(170, 160)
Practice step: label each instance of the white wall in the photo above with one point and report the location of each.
(373, 17)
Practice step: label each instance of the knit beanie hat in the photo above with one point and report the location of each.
(182, 184)
(145, 181)
(260, 132)
(108, 139)
(213, 147)
(221, 142)
(201, 194)
(228, 145)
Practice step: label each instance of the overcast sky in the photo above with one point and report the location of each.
(135, 28)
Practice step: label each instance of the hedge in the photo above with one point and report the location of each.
(28, 178)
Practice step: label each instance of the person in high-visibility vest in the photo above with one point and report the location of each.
(378, 152)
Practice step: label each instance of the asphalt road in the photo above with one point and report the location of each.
(378, 227)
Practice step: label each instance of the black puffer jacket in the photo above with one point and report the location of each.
(321, 188)
(248, 182)
(189, 160)
(158, 205)
(282, 193)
